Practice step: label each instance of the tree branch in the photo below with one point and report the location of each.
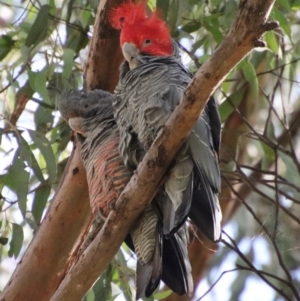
(105, 53)
(22, 97)
(244, 35)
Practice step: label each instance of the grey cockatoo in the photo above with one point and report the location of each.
(90, 115)
(152, 82)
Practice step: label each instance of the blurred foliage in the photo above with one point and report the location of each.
(44, 42)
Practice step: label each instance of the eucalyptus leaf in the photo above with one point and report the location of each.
(16, 240)
(284, 24)
(68, 58)
(102, 288)
(39, 28)
(40, 200)
(162, 295)
(45, 148)
(291, 170)
(232, 101)
(271, 41)
(38, 81)
(43, 119)
(27, 156)
(6, 45)
(3, 241)
(20, 179)
(250, 75)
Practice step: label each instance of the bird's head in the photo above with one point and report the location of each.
(141, 32)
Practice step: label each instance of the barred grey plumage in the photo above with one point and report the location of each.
(90, 115)
(144, 99)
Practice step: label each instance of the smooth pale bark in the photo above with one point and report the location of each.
(243, 37)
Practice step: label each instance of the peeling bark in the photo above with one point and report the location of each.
(105, 54)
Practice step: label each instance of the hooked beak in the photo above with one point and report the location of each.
(75, 124)
(130, 52)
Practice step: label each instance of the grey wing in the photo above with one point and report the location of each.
(159, 256)
(215, 123)
(204, 145)
(179, 183)
(178, 187)
(143, 102)
(147, 241)
(176, 271)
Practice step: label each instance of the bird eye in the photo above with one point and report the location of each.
(147, 41)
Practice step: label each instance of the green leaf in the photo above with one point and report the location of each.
(16, 241)
(27, 156)
(238, 284)
(102, 288)
(284, 3)
(162, 295)
(68, 58)
(25, 53)
(218, 36)
(228, 106)
(269, 155)
(6, 45)
(268, 151)
(43, 119)
(89, 296)
(250, 75)
(291, 171)
(61, 135)
(114, 297)
(271, 41)
(20, 178)
(44, 146)
(296, 5)
(76, 39)
(191, 27)
(39, 28)
(94, 4)
(284, 24)
(176, 10)
(53, 9)
(214, 3)
(3, 241)
(7, 180)
(87, 18)
(25, 26)
(270, 131)
(39, 202)
(121, 275)
(37, 81)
